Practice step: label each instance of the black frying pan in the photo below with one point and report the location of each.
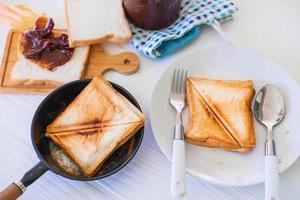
(51, 106)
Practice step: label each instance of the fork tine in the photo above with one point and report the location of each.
(181, 87)
(177, 80)
(181, 81)
(184, 81)
(174, 82)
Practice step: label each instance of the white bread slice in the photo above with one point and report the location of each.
(230, 101)
(94, 21)
(204, 129)
(98, 105)
(27, 72)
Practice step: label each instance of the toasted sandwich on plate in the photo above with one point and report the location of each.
(94, 125)
(94, 21)
(220, 114)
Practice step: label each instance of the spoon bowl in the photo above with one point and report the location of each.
(269, 107)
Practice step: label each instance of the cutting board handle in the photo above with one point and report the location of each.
(124, 63)
(100, 62)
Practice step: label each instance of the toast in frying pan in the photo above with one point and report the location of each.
(220, 114)
(94, 125)
(98, 105)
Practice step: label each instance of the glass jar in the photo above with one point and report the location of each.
(152, 14)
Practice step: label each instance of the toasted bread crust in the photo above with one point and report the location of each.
(204, 128)
(107, 96)
(244, 108)
(91, 143)
(90, 170)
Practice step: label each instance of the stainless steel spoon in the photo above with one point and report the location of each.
(269, 109)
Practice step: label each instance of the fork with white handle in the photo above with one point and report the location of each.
(177, 100)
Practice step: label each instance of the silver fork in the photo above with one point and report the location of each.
(177, 100)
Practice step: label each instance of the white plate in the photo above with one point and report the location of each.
(215, 165)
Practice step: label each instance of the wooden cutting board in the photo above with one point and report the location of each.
(98, 63)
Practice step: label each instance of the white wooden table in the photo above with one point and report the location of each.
(270, 27)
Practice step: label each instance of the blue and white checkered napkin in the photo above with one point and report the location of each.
(193, 13)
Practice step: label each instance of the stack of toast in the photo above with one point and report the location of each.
(220, 114)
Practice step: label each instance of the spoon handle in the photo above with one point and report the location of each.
(271, 178)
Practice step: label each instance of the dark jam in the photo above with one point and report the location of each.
(152, 14)
(44, 47)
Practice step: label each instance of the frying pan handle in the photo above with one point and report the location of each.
(12, 192)
(16, 189)
(34, 173)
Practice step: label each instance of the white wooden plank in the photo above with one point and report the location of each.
(147, 175)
